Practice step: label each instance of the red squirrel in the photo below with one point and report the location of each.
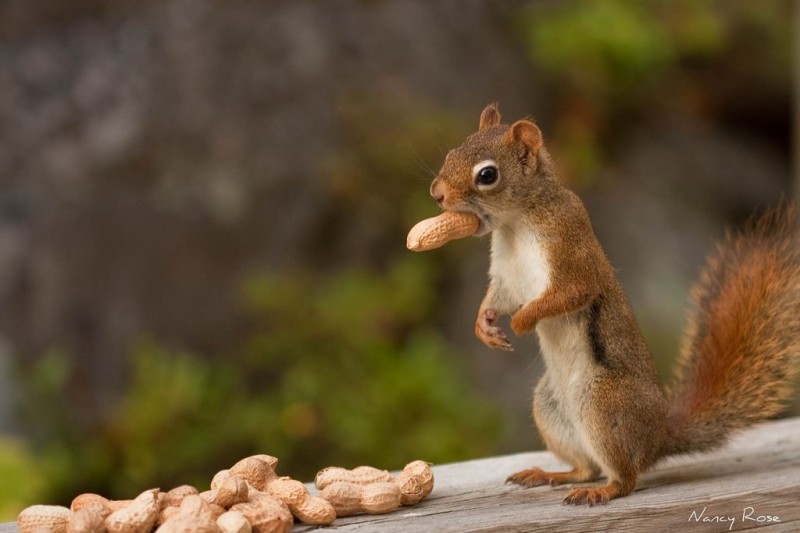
(599, 405)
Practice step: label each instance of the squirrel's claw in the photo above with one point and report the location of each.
(490, 335)
(593, 495)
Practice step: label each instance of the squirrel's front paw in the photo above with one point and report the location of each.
(521, 323)
(490, 335)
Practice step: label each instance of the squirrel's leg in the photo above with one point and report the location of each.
(561, 438)
(624, 430)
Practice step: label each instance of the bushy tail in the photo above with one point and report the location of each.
(742, 349)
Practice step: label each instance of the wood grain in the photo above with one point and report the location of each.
(760, 469)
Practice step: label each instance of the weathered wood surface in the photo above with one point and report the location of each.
(759, 470)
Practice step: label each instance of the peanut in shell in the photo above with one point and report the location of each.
(137, 517)
(54, 518)
(233, 522)
(308, 509)
(361, 475)
(437, 231)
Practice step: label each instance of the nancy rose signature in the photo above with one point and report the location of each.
(747, 515)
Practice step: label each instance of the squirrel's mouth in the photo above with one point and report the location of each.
(484, 227)
(485, 221)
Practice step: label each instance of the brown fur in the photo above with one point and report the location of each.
(743, 338)
(599, 405)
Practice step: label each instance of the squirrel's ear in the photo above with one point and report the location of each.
(490, 116)
(527, 133)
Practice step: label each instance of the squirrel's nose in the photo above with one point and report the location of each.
(437, 193)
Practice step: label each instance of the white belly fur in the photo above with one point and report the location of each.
(520, 273)
(568, 358)
(519, 269)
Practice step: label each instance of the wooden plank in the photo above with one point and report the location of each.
(759, 470)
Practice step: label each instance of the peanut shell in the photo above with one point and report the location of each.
(219, 477)
(288, 490)
(84, 500)
(116, 505)
(379, 498)
(184, 523)
(231, 491)
(167, 513)
(435, 232)
(270, 460)
(411, 490)
(195, 505)
(424, 473)
(175, 496)
(53, 518)
(344, 497)
(233, 522)
(138, 517)
(89, 519)
(307, 508)
(265, 513)
(361, 475)
(314, 510)
(255, 471)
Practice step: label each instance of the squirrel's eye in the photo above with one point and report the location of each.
(486, 176)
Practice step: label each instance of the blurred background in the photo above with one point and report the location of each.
(203, 210)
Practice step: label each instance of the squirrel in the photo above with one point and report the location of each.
(599, 405)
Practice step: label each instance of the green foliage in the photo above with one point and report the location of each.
(340, 370)
(615, 62)
(369, 379)
(601, 43)
(620, 48)
(21, 481)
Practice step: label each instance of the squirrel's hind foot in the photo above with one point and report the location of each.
(594, 495)
(535, 477)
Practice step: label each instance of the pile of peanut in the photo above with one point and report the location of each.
(247, 497)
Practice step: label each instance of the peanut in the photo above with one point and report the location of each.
(265, 513)
(184, 523)
(435, 232)
(362, 475)
(307, 508)
(233, 522)
(415, 482)
(194, 514)
(53, 518)
(270, 460)
(137, 517)
(219, 477)
(231, 491)
(411, 491)
(258, 472)
(380, 498)
(375, 498)
(195, 505)
(116, 505)
(89, 519)
(167, 513)
(84, 500)
(175, 496)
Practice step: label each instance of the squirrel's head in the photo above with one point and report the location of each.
(496, 171)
